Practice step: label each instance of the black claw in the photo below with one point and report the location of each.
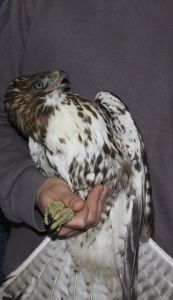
(53, 233)
(50, 222)
(50, 219)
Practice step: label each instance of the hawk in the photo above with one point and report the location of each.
(88, 143)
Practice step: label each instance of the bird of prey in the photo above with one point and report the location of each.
(88, 143)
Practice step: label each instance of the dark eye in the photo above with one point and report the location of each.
(38, 85)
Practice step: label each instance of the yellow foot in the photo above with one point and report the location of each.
(57, 215)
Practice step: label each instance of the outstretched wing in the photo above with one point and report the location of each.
(133, 205)
(155, 272)
(51, 273)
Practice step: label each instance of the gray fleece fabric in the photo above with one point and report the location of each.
(118, 45)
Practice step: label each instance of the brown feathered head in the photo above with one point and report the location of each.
(24, 100)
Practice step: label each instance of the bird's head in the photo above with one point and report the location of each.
(41, 83)
(26, 97)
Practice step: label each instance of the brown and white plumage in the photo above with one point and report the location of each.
(87, 143)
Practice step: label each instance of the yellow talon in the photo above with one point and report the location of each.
(56, 215)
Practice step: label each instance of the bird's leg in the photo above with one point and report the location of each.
(57, 215)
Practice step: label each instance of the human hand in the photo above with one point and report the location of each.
(87, 213)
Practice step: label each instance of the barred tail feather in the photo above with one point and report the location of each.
(50, 273)
(155, 279)
(18, 280)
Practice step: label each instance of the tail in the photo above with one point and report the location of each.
(155, 279)
(50, 273)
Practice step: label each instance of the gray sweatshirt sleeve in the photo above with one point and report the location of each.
(19, 179)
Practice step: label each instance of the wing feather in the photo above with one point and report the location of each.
(132, 148)
(155, 272)
(50, 273)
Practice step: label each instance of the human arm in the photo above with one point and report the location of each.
(20, 179)
(18, 176)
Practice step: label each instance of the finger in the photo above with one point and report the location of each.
(74, 202)
(68, 232)
(95, 202)
(79, 220)
(90, 213)
(73, 234)
(102, 200)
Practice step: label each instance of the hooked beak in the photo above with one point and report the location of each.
(65, 84)
(61, 81)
